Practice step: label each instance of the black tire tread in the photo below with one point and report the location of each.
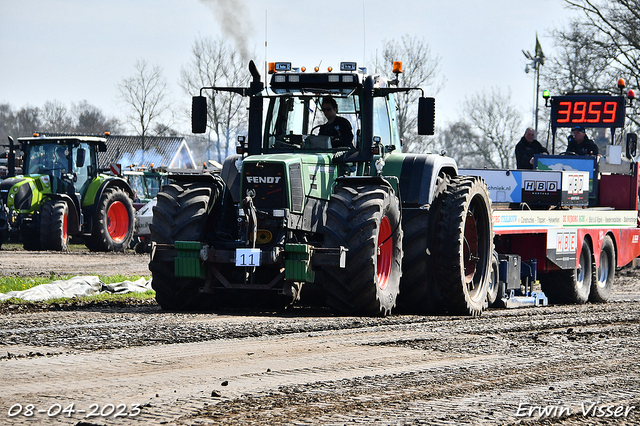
(52, 225)
(450, 239)
(353, 217)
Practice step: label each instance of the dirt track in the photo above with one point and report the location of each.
(310, 367)
(20, 263)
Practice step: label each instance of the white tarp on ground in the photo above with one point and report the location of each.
(76, 287)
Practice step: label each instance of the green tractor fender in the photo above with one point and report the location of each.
(99, 185)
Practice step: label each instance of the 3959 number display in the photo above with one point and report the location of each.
(588, 111)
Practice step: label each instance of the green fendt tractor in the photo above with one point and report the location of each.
(62, 193)
(297, 214)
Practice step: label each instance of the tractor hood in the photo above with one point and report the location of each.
(284, 180)
(22, 193)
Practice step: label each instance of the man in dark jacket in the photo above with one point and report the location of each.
(580, 144)
(527, 148)
(339, 128)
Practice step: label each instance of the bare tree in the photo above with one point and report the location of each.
(55, 117)
(582, 64)
(90, 119)
(29, 120)
(459, 141)
(215, 63)
(498, 124)
(602, 45)
(146, 96)
(421, 69)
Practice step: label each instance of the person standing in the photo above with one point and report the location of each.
(527, 148)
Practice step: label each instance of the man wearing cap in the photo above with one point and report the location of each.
(580, 144)
(527, 148)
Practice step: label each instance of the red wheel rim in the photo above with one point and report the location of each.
(117, 221)
(385, 253)
(65, 234)
(470, 250)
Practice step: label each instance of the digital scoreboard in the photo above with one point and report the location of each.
(587, 111)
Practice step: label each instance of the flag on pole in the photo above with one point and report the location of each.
(539, 53)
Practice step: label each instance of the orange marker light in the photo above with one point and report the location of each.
(397, 67)
(316, 69)
(272, 67)
(330, 69)
(621, 83)
(304, 69)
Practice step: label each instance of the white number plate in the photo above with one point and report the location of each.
(247, 257)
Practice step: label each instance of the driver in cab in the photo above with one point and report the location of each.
(580, 144)
(338, 128)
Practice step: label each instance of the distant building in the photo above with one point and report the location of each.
(168, 151)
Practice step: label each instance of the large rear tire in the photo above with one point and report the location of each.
(180, 215)
(464, 246)
(54, 215)
(366, 220)
(605, 274)
(570, 286)
(419, 290)
(113, 222)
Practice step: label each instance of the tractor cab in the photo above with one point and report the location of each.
(70, 164)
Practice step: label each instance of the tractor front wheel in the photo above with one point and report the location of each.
(53, 225)
(180, 215)
(113, 222)
(366, 220)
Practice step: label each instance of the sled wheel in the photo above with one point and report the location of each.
(494, 290)
(602, 281)
(570, 285)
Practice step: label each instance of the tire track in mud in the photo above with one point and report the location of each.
(332, 370)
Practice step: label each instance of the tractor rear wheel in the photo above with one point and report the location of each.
(113, 222)
(53, 225)
(464, 246)
(605, 274)
(366, 220)
(180, 215)
(570, 285)
(419, 290)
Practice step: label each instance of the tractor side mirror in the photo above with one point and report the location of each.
(426, 116)
(80, 157)
(632, 145)
(199, 114)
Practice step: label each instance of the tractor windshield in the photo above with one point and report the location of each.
(49, 158)
(294, 120)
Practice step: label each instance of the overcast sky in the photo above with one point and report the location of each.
(74, 50)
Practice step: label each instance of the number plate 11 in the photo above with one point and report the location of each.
(247, 257)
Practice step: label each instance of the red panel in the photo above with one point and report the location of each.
(615, 191)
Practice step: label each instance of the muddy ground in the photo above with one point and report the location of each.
(96, 365)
